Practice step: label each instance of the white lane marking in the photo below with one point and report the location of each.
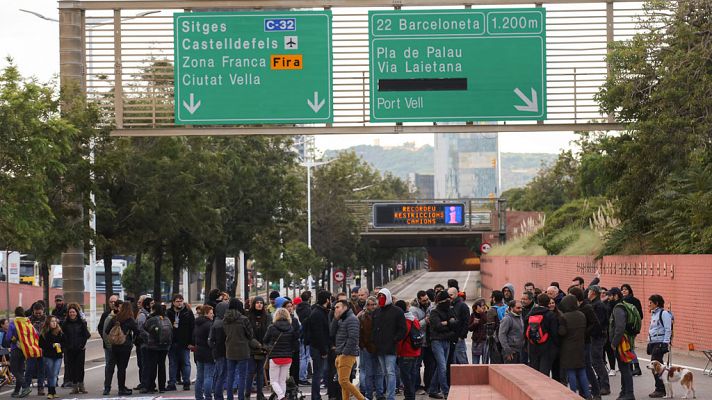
(466, 280)
(677, 365)
(412, 283)
(62, 376)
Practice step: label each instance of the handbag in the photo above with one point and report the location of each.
(266, 365)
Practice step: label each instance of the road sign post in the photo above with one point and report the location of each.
(458, 65)
(339, 275)
(253, 67)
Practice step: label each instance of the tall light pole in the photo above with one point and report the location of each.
(309, 165)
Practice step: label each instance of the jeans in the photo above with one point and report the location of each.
(388, 366)
(319, 369)
(278, 378)
(441, 348)
(407, 366)
(578, 381)
(599, 363)
(52, 367)
(220, 377)
(237, 369)
(304, 359)
(178, 357)
(626, 379)
(204, 380)
(590, 374)
(256, 373)
(344, 365)
(460, 356)
(34, 367)
(155, 366)
(370, 375)
(109, 367)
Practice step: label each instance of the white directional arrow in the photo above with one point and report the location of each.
(316, 105)
(193, 105)
(532, 105)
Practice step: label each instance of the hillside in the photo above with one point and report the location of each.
(517, 168)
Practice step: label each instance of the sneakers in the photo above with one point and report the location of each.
(24, 393)
(106, 392)
(612, 372)
(420, 392)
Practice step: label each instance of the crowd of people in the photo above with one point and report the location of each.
(394, 345)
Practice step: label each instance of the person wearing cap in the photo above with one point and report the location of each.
(598, 339)
(273, 296)
(617, 336)
(60, 309)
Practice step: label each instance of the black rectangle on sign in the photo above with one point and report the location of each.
(421, 84)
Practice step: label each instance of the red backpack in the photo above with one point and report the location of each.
(535, 331)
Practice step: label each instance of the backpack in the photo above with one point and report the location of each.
(501, 311)
(164, 331)
(535, 330)
(117, 337)
(415, 336)
(633, 320)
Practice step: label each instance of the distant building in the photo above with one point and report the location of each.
(423, 185)
(467, 165)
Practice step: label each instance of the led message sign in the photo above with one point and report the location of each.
(415, 215)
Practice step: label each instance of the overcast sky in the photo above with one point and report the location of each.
(34, 45)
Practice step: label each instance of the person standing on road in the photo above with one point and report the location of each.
(303, 310)
(183, 322)
(60, 309)
(24, 344)
(388, 330)
(317, 338)
(572, 331)
(346, 348)
(443, 325)
(409, 352)
(599, 338)
(477, 325)
(260, 320)
(420, 307)
(144, 303)
(203, 355)
(592, 325)
(238, 335)
(622, 343)
(542, 332)
(282, 341)
(158, 334)
(35, 365)
(51, 342)
(216, 340)
(121, 352)
(109, 364)
(628, 297)
(76, 334)
(370, 377)
(659, 336)
(462, 314)
(511, 333)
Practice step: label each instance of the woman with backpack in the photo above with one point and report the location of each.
(76, 334)
(51, 342)
(260, 320)
(282, 340)
(541, 330)
(628, 297)
(203, 355)
(122, 332)
(157, 333)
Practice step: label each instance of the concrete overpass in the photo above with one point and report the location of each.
(451, 231)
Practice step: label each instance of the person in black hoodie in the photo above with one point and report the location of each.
(203, 355)
(544, 348)
(51, 341)
(216, 340)
(592, 325)
(282, 341)
(76, 334)
(443, 330)
(598, 339)
(389, 328)
(158, 333)
(260, 320)
(183, 322)
(303, 309)
(122, 352)
(628, 297)
(316, 336)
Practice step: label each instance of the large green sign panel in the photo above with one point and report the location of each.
(458, 65)
(252, 67)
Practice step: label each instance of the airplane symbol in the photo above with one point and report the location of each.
(291, 42)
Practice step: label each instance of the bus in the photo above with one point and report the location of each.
(29, 271)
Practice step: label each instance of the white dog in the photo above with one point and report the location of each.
(670, 375)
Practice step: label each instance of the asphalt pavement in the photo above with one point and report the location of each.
(403, 288)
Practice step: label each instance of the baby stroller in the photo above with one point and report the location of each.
(293, 392)
(6, 378)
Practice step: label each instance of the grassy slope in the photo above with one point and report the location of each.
(587, 243)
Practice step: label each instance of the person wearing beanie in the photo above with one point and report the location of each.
(273, 296)
(443, 330)
(279, 303)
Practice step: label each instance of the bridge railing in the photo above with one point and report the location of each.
(479, 214)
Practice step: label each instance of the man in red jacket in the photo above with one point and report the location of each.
(409, 352)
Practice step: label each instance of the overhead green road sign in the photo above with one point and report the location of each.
(253, 68)
(458, 65)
